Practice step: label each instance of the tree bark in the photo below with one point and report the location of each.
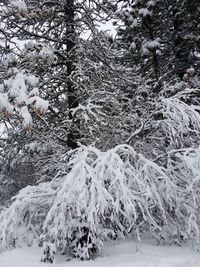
(74, 132)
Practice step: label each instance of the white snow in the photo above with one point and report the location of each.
(27, 118)
(41, 105)
(151, 3)
(5, 106)
(115, 254)
(134, 24)
(190, 71)
(32, 80)
(3, 134)
(132, 46)
(150, 45)
(153, 44)
(19, 5)
(18, 88)
(144, 12)
(34, 92)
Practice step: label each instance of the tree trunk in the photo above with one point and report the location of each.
(74, 132)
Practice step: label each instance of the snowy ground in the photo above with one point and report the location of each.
(116, 254)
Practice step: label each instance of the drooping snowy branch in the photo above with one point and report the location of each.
(179, 119)
(104, 195)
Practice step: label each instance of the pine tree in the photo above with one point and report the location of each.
(156, 37)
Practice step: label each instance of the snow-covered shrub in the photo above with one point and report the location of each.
(185, 166)
(22, 222)
(49, 252)
(180, 119)
(105, 195)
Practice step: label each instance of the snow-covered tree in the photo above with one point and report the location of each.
(51, 32)
(44, 74)
(122, 95)
(160, 37)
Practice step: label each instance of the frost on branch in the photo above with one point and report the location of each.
(38, 53)
(105, 195)
(180, 119)
(88, 111)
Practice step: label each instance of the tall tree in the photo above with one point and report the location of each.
(160, 36)
(72, 96)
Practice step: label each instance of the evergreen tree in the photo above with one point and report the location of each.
(160, 37)
(53, 52)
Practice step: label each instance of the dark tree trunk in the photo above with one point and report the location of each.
(182, 45)
(74, 132)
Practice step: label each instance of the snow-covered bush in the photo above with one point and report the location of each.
(180, 119)
(184, 165)
(22, 222)
(104, 195)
